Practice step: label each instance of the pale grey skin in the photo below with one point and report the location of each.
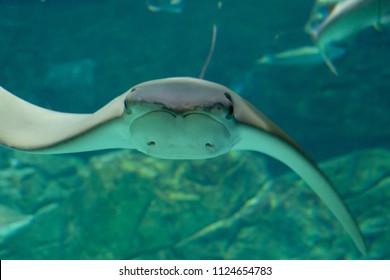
(174, 118)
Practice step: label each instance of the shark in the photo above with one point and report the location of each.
(306, 55)
(333, 21)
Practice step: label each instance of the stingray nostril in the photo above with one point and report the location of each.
(151, 143)
(227, 95)
(209, 145)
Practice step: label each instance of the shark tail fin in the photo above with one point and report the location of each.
(330, 64)
(327, 60)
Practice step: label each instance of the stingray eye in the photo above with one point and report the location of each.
(226, 111)
(128, 101)
(218, 107)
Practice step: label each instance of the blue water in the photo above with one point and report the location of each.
(76, 56)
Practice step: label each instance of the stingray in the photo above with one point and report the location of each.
(172, 118)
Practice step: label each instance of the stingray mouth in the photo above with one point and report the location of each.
(191, 135)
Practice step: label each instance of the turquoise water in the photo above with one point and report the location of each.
(76, 57)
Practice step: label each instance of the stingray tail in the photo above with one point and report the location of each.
(212, 45)
(211, 51)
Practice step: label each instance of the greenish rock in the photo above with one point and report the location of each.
(293, 224)
(124, 205)
(163, 201)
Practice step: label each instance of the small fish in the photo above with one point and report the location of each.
(170, 6)
(307, 55)
(334, 21)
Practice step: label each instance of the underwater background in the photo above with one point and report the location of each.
(76, 56)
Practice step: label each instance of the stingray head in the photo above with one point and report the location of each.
(174, 119)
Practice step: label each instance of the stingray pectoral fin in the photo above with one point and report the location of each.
(25, 126)
(257, 133)
(257, 140)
